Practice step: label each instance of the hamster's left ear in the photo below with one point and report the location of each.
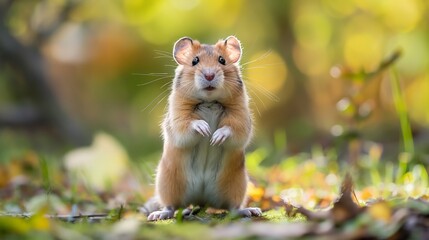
(182, 50)
(233, 48)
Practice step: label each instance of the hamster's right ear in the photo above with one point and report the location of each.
(233, 48)
(182, 49)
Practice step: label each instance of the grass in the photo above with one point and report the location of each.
(401, 110)
(310, 180)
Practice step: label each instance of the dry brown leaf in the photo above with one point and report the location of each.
(345, 208)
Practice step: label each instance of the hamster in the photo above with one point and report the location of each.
(206, 129)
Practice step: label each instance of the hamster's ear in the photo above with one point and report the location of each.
(182, 49)
(233, 48)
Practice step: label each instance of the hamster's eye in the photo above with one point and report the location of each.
(221, 60)
(195, 61)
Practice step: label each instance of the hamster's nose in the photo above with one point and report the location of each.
(209, 76)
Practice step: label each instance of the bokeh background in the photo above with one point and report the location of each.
(314, 70)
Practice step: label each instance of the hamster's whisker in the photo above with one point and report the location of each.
(266, 54)
(155, 80)
(257, 96)
(162, 99)
(263, 66)
(156, 99)
(163, 54)
(256, 107)
(166, 84)
(151, 74)
(169, 65)
(254, 103)
(262, 90)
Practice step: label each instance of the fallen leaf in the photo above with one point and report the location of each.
(100, 165)
(345, 207)
(255, 193)
(41, 201)
(40, 222)
(380, 211)
(367, 193)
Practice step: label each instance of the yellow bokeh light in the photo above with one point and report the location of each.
(417, 95)
(312, 28)
(363, 44)
(340, 8)
(267, 70)
(163, 22)
(184, 4)
(312, 62)
(362, 50)
(139, 12)
(402, 15)
(399, 15)
(414, 47)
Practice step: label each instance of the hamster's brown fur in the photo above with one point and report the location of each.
(206, 130)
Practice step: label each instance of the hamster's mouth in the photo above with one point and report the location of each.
(209, 88)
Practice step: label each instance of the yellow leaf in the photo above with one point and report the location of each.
(40, 222)
(294, 196)
(256, 193)
(380, 211)
(43, 202)
(100, 165)
(367, 193)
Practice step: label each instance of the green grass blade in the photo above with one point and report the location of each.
(401, 109)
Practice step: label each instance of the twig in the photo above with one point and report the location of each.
(21, 116)
(80, 216)
(65, 218)
(17, 215)
(45, 33)
(386, 63)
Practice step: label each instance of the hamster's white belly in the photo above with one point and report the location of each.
(204, 163)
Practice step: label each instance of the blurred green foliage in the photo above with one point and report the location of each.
(111, 65)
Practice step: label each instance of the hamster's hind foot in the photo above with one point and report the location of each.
(250, 212)
(166, 213)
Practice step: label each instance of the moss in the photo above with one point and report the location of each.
(279, 215)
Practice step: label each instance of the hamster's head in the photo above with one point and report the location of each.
(208, 72)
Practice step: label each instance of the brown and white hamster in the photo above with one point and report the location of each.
(206, 130)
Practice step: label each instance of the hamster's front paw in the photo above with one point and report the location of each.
(201, 127)
(220, 135)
